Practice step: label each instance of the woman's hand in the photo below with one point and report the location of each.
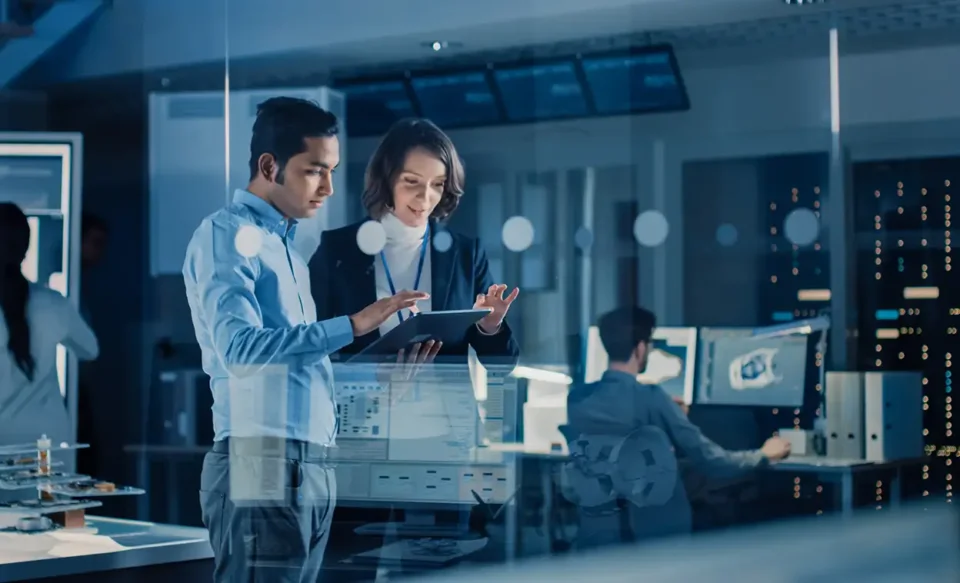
(401, 375)
(498, 305)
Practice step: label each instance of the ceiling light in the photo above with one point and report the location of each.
(801, 2)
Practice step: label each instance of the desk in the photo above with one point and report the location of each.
(107, 550)
(845, 471)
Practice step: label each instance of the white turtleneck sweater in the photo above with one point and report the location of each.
(402, 253)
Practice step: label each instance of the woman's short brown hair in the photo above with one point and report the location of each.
(387, 163)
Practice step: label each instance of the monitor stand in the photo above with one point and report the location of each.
(415, 524)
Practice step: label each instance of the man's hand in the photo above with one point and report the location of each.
(417, 355)
(775, 449)
(369, 319)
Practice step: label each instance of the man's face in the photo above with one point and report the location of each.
(307, 180)
(93, 246)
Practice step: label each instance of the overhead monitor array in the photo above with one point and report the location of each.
(639, 80)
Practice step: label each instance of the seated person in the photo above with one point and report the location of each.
(625, 438)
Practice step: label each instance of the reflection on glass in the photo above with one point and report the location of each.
(518, 234)
(651, 228)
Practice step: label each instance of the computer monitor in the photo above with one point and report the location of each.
(738, 369)
(671, 363)
(374, 105)
(459, 99)
(418, 445)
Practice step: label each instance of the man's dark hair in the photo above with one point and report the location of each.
(91, 223)
(282, 126)
(387, 163)
(623, 329)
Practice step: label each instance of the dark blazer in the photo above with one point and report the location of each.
(343, 283)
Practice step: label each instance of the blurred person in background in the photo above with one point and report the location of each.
(618, 408)
(35, 320)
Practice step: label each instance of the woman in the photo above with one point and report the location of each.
(413, 182)
(35, 320)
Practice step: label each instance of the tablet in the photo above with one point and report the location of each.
(448, 327)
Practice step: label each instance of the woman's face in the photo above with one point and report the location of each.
(419, 187)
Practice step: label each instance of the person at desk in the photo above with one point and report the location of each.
(413, 181)
(35, 320)
(267, 491)
(618, 406)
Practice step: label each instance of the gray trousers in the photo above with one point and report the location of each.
(269, 518)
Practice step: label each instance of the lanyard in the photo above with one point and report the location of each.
(416, 282)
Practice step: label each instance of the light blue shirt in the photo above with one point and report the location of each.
(256, 323)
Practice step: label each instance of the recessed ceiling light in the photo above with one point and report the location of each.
(441, 45)
(801, 2)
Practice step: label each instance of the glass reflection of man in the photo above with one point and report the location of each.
(618, 405)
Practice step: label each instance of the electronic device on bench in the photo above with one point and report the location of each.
(414, 445)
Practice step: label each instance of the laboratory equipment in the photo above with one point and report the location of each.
(875, 416)
(418, 444)
(40, 173)
(180, 399)
(737, 367)
(671, 363)
(63, 496)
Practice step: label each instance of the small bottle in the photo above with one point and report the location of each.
(43, 455)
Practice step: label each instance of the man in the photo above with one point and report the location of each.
(619, 406)
(267, 491)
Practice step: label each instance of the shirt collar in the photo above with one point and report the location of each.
(271, 218)
(618, 375)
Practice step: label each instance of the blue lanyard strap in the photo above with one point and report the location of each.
(416, 282)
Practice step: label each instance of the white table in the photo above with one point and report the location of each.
(106, 545)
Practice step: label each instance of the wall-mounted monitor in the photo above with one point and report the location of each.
(457, 99)
(641, 80)
(541, 91)
(372, 107)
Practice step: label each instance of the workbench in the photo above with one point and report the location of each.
(108, 550)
